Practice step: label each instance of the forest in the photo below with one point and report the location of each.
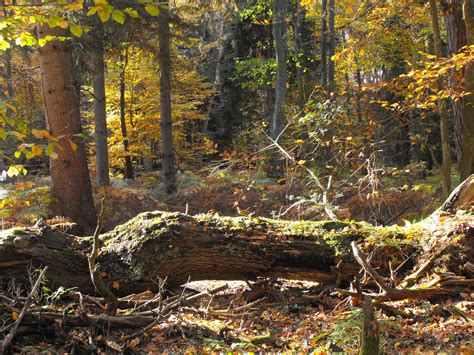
(220, 176)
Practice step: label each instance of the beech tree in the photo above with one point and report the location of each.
(280, 9)
(100, 114)
(164, 58)
(442, 104)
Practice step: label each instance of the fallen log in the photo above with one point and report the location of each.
(179, 247)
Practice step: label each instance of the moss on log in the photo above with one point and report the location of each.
(180, 247)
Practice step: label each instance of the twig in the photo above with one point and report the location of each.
(8, 339)
(411, 279)
(163, 311)
(360, 258)
(327, 207)
(94, 272)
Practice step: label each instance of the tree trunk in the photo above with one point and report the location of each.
(280, 8)
(324, 43)
(8, 67)
(370, 338)
(298, 35)
(100, 116)
(164, 57)
(180, 247)
(466, 167)
(443, 113)
(71, 187)
(128, 172)
(332, 45)
(456, 39)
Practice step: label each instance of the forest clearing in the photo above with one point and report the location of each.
(219, 176)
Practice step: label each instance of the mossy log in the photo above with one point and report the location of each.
(180, 247)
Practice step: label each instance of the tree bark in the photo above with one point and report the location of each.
(100, 116)
(71, 187)
(166, 124)
(8, 67)
(298, 35)
(180, 247)
(324, 44)
(128, 171)
(443, 113)
(456, 39)
(280, 9)
(332, 45)
(466, 167)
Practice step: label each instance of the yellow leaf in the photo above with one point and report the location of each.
(14, 315)
(301, 162)
(72, 144)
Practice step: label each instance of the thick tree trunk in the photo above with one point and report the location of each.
(71, 186)
(100, 116)
(180, 247)
(456, 39)
(128, 171)
(443, 112)
(164, 57)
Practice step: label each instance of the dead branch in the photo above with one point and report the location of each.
(9, 337)
(97, 280)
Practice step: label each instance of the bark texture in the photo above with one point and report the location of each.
(164, 57)
(456, 39)
(466, 167)
(100, 116)
(71, 186)
(128, 169)
(280, 9)
(332, 45)
(180, 247)
(442, 109)
(324, 44)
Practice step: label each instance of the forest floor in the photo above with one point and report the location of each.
(293, 316)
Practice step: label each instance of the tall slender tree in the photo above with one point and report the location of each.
(100, 116)
(443, 112)
(332, 45)
(128, 171)
(280, 9)
(164, 58)
(456, 39)
(466, 167)
(71, 186)
(324, 44)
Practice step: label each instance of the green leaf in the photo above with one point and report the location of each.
(3, 44)
(104, 15)
(132, 12)
(152, 10)
(76, 30)
(118, 16)
(3, 134)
